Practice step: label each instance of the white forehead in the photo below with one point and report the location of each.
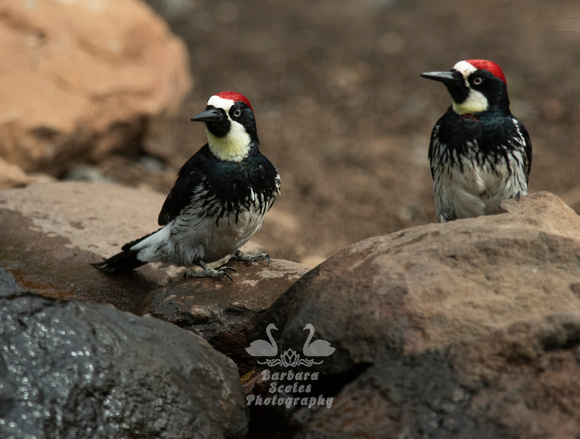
(464, 68)
(218, 102)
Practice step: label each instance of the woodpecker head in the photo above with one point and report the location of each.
(231, 127)
(475, 85)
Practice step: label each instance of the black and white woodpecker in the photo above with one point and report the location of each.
(219, 200)
(480, 154)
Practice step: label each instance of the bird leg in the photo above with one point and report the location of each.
(210, 272)
(248, 259)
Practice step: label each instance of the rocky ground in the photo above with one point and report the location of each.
(464, 329)
(378, 321)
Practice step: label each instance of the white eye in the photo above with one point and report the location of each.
(237, 112)
(477, 81)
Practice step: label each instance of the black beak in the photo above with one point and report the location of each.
(452, 77)
(209, 115)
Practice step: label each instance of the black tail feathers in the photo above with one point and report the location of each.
(124, 261)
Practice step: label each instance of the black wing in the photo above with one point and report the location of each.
(433, 144)
(191, 175)
(527, 144)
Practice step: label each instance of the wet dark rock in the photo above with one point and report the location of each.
(72, 369)
(224, 312)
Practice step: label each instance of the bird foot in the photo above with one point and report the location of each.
(210, 272)
(248, 259)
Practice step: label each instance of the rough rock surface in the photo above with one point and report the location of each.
(102, 75)
(435, 284)
(391, 306)
(51, 232)
(535, 360)
(70, 369)
(517, 382)
(224, 312)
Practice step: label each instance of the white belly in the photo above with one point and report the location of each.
(193, 237)
(207, 240)
(473, 190)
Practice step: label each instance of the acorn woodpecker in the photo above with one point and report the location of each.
(479, 153)
(219, 200)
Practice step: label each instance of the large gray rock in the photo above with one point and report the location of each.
(70, 369)
(391, 307)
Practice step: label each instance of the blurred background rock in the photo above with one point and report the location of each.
(102, 90)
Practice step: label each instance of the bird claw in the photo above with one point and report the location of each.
(248, 259)
(210, 272)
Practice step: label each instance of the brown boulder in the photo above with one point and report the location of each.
(436, 284)
(517, 382)
(391, 306)
(12, 176)
(525, 377)
(80, 79)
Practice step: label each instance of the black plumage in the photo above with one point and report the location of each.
(219, 185)
(479, 153)
(219, 199)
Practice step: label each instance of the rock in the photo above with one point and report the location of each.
(51, 233)
(12, 176)
(390, 306)
(70, 369)
(80, 79)
(572, 198)
(435, 284)
(512, 383)
(535, 360)
(224, 312)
